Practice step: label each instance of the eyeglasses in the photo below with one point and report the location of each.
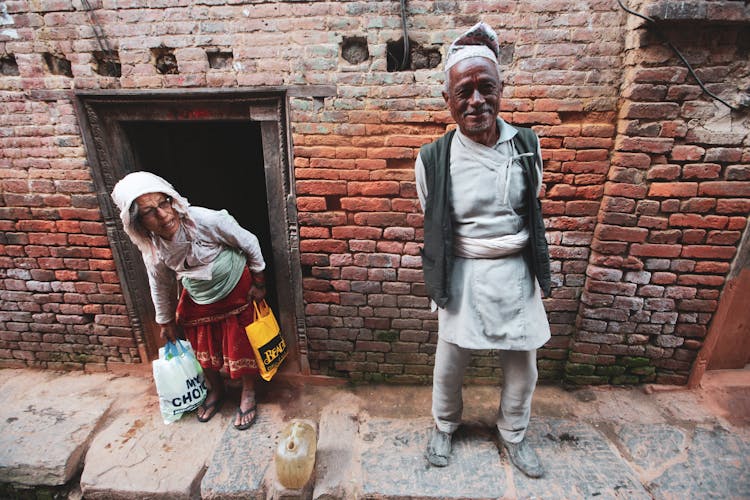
(163, 205)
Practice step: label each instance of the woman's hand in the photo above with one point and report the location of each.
(258, 290)
(169, 332)
(257, 294)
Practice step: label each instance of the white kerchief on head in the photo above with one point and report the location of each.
(131, 187)
(479, 41)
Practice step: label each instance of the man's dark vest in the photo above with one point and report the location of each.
(437, 254)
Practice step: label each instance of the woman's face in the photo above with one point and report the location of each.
(157, 215)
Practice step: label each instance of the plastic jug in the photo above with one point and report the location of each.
(295, 454)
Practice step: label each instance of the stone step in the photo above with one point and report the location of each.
(47, 425)
(614, 444)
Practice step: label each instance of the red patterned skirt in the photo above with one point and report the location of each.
(217, 331)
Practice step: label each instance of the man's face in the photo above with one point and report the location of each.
(157, 215)
(473, 96)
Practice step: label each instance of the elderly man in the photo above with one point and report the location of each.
(485, 258)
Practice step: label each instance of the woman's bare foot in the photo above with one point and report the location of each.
(214, 398)
(247, 411)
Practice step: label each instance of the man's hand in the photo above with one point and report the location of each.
(169, 332)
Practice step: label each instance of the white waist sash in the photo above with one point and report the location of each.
(490, 248)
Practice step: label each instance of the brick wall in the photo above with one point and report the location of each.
(644, 202)
(674, 209)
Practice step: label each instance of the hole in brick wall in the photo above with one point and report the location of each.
(354, 49)
(108, 63)
(506, 54)
(57, 65)
(220, 60)
(165, 61)
(306, 271)
(743, 43)
(8, 65)
(333, 202)
(418, 58)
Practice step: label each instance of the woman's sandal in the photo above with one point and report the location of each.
(209, 410)
(242, 414)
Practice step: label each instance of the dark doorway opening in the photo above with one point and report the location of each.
(214, 164)
(222, 149)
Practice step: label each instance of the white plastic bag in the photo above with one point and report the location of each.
(179, 380)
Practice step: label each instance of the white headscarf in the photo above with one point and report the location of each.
(479, 41)
(124, 195)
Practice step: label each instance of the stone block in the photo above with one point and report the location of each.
(48, 423)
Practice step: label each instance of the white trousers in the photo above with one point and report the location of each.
(519, 381)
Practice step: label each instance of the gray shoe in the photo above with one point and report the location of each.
(523, 456)
(439, 448)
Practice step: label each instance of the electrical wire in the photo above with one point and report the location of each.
(663, 38)
(405, 59)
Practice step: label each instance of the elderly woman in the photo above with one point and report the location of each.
(220, 266)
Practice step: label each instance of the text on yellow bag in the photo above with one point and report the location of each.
(268, 345)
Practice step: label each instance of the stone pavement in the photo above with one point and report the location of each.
(74, 435)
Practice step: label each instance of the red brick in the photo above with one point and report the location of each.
(687, 153)
(707, 252)
(635, 160)
(676, 128)
(385, 219)
(664, 172)
(734, 189)
(698, 205)
(730, 206)
(664, 74)
(737, 223)
(561, 191)
(597, 129)
(653, 222)
(625, 190)
(673, 189)
(701, 171)
(710, 267)
(80, 213)
(579, 207)
(738, 173)
(651, 110)
(652, 250)
(615, 233)
(724, 154)
(42, 226)
(693, 236)
(587, 143)
(365, 204)
(668, 237)
(373, 188)
(670, 206)
(645, 144)
(698, 221)
(316, 187)
(391, 152)
(723, 237)
(311, 204)
(536, 118)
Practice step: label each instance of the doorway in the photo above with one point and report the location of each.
(221, 150)
(216, 165)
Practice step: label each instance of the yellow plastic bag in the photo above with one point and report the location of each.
(268, 345)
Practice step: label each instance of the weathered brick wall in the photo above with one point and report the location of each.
(674, 209)
(571, 71)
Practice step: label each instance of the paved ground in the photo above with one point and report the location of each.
(73, 435)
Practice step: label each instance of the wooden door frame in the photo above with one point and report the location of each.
(110, 158)
(725, 321)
